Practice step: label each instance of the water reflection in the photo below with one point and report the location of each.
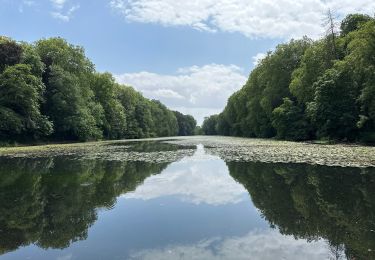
(148, 146)
(196, 208)
(265, 245)
(201, 178)
(53, 202)
(312, 202)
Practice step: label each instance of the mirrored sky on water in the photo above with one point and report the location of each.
(193, 209)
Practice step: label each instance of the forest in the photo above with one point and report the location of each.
(309, 89)
(50, 91)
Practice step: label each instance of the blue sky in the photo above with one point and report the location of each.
(190, 55)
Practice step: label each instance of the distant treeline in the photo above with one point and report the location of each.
(305, 89)
(50, 90)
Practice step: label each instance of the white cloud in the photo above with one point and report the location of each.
(59, 9)
(168, 93)
(62, 12)
(258, 58)
(206, 180)
(200, 90)
(58, 3)
(60, 16)
(264, 245)
(65, 16)
(253, 18)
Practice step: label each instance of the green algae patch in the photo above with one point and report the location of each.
(273, 151)
(47, 150)
(169, 149)
(145, 150)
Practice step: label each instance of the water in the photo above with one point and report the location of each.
(198, 207)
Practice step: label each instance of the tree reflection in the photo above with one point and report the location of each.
(52, 202)
(312, 202)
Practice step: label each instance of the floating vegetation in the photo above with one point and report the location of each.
(129, 155)
(160, 150)
(273, 151)
(134, 150)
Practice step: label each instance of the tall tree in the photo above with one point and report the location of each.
(307, 89)
(290, 122)
(10, 53)
(186, 124)
(20, 97)
(209, 126)
(69, 98)
(106, 93)
(334, 109)
(67, 107)
(353, 22)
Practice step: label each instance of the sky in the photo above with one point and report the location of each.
(190, 55)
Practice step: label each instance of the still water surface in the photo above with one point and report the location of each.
(198, 207)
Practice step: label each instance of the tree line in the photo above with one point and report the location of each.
(50, 91)
(309, 89)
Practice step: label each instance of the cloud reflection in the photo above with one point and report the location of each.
(266, 245)
(201, 178)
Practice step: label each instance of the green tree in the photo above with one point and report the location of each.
(186, 124)
(10, 53)
(129, 98)
(209, 126)
(323, 88)
(57, 51)
(290, 122)
(334, 109)
(353, 22)
(313, 65)
(198, 130)
(106, 94)
(68, 109)
(31, 57)
(69, 98)
(20, 97)
(144, 119)
(249, 111)
(276, 72)
(160, 113)
(360, 60)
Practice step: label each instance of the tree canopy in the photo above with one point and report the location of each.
(50, 90)
(305, 89)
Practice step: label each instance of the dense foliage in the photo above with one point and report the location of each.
(307, 89)
(50, 91)
(186, 124)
